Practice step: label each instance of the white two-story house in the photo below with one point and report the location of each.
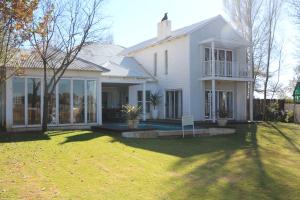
(192, 79)
(198, 70)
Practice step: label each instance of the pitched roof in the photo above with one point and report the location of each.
(174, 34)
(33, 61)
(108, 56)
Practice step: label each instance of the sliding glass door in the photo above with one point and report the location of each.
(72, 102)
(19, 101)
(224, 102)
(78, 101)
(64, 88)
(173, 104)
(34, 101)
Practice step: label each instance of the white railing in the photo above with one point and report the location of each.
(225, 69)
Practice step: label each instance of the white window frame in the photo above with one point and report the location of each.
(56, 91)
(217, 96)
(141, 102)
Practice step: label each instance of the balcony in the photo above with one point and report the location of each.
(227, 70)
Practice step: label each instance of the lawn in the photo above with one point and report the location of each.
(259, 162)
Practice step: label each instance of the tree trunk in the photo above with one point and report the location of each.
(45, 106)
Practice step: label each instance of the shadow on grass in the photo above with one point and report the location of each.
(246, 178)
(82, 136)
(287, 138)
(188, 147)
(220, 177)
(23, 137)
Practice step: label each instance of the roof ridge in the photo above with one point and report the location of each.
(197, 24)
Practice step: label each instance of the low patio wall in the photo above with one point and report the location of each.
(172, 133)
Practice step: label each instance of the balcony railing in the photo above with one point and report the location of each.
(225, 69)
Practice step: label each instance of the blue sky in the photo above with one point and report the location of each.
(134, 21)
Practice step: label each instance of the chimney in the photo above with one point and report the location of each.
(164, 28)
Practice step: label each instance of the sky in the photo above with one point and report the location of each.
(134, 21)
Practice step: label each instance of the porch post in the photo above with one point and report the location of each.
(213, 83)
(144, 101)
(251, 101)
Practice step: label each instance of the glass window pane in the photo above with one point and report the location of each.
(148, 107)
(64, 101)
(34, 100)
(221, 55)
(207, 54)
(78, 101)
(51, 105)
(140, 96)
(91, 101)
(148, 95)
(229, 55)
(19, 101)
(155, 64)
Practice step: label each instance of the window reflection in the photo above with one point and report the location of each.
(19, 101)
(51, 104)
(91, 101)
(78, 101)
(34, 100)
(64, 101)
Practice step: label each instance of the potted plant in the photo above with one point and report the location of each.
(154, 100)
(222, 119)
(132, 115)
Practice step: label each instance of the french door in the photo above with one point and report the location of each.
(173, 104)
(224, 101)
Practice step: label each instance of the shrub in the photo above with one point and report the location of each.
(289, 116)
(131, 111)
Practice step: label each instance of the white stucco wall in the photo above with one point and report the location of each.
(219, 30)
(178, 69)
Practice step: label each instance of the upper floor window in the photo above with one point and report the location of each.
(166, 61)
(219, 55)
(155, 64)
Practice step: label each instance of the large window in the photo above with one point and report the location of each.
(224, 102)
(64, 101)
(78, 101)
(34, 100)
(223, 61)
(140, 100)
(19, 101)
(155, 64)
(166, 62)
(81, 100)
(91, 101)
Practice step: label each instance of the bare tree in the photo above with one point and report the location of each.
(246, 15)
(272, 12)
(276, 87)
(60, 35)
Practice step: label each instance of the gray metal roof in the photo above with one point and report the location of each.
(33, 61)
(108, 56)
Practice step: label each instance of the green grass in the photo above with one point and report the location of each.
(259, 162)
